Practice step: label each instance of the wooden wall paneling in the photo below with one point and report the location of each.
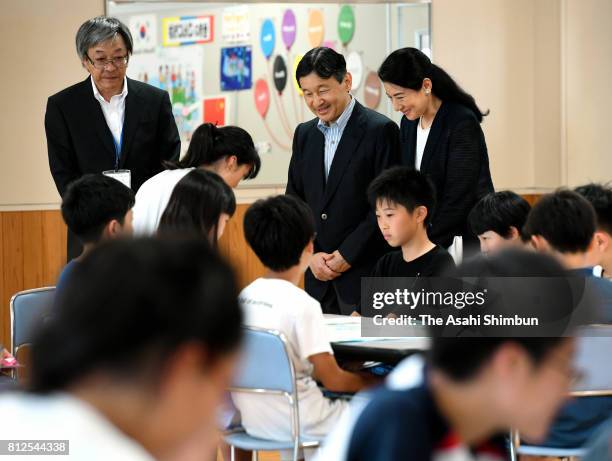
(4, 310)
(53, 246)
(32, 250)
(12, 274)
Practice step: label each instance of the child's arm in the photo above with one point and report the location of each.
(334, 378)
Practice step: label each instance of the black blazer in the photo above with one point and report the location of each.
(456, 160)
(344, 219)
(79, 140)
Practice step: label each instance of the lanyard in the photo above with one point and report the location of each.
(118, 150)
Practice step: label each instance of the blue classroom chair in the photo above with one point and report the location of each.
(265, 368)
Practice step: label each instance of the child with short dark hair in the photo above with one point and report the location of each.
(498, 219)
(134, 360)
(472, 389)
(95, 208)
(600, 197)
(404, 200)
(562, 224)
(280, 230)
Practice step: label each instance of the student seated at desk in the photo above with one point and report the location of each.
(135, 360)
(562, 224)
(472, 390)
(280, 230)
(405, 200)
(95, 208)
(498, 219)
(200, 206)
(600, 197)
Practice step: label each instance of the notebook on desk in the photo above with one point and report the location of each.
(345, 329)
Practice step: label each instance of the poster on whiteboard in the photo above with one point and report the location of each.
(235, 24)
(179, 72)
(188, 30)
(144, 33)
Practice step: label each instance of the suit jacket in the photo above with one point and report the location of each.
(344, 219)
(456, 160)
(79, 140)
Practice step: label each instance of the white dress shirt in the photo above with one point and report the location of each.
(422, 135)
(114, 111)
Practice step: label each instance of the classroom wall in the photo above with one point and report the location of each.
(587, 73)
(286, 110)
(38, 59)
(507, 53)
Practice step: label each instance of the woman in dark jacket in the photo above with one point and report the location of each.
(440, 136)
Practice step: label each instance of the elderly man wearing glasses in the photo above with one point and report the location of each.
(108, 123)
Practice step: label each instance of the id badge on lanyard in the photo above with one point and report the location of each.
(123, 176)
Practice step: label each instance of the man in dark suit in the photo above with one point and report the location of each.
(335, 157)
(108, 122)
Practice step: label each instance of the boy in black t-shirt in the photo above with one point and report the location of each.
(404, 200)
(498, 220)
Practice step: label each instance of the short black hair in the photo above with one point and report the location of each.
(565, 219)
(210, 143)
(600, 197)
(196, 204)
(91, 202)
(498, 212)
(278, 229)
(129, 305)
(461, 358)
(404, 186)
(324, 62)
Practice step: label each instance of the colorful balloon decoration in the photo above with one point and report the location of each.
(354, 65)
(315, 28)
(372, 91)
(296, 61)
(262, 97)
(346, 24)
(267, 38)
(289, 29)
(279, 74)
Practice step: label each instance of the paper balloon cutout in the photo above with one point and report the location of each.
(329, 44)
(280, 74)
(296, 61)
(354, 65)
(315, 28)
(288, 29)
(262, 97)
(372, 91)
(346, 24)
(267, 38)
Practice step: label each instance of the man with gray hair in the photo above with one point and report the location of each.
(108, 123)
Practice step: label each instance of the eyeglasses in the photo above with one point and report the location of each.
(119, 62)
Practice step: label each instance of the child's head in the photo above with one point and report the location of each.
(497, 219)
(600, 197)
(522, 380)
(228, 151)
(280, 230)
(97, 207)
(200, 206)
(154, 322)
(404, 200)
(561, 223)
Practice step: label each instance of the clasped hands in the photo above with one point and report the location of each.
(328, 266)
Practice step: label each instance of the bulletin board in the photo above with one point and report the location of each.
(234, 64)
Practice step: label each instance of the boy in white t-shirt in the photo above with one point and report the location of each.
(280, 230)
